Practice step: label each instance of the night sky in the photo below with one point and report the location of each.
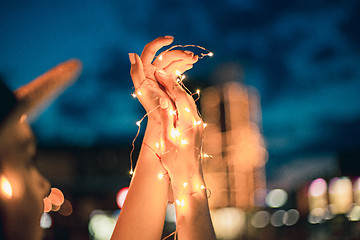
(303, 57)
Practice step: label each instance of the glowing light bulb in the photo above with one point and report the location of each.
(185, 184)
(210, 54)
(182, 77)
(184, 141)
(139, 93)
(160, 176)
(197, 122)
(138, 123)
(175, 133)
(6, 188)
(172, 112)
(134, 95)
(131, 172)
(198, 91)
(187, 109)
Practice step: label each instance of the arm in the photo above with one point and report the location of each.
(143, 213)
(181, 157)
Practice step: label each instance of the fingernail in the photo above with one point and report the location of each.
(170, 37)
(164, 103)
(132, 58)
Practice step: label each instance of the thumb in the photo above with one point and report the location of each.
(137, 70)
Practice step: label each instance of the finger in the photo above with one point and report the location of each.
(165, 58)
(178, 67)
(136, 71)
(167, 117)
(151, 48)
(174, 90)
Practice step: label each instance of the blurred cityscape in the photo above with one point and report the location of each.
(280, 97)
(317, 198)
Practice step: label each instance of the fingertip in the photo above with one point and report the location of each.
(132, 58)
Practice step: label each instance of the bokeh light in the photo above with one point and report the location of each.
(291, 217)
(121, 196)
(318, 187)
(340, 195)
(229, 223)
(101, 225)
(260, 219)
(276, 198)
(354, 214)
(45, 220)
(66, 208)
(170, 213)
(276, 218)
(6, 188)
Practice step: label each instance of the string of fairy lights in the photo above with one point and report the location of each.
(176, 135)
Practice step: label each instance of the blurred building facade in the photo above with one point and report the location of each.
(235, 172)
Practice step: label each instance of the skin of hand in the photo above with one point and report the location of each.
(137, 220)
(180, 139)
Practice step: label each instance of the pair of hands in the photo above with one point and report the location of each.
(170, 109)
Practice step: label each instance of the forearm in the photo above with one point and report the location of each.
(143, 213)
(192, 210)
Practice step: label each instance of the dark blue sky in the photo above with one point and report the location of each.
(302, 56)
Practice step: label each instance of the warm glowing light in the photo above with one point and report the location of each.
(205, 125)
(187, 109)
(47, 204)
(56, 197)
(198, 91)
(207, 155)
(177, 72)
(172, 112)
(182, 203)
(229, 223)
(160, 176)
(134, 95)
(184, 142)
(6, 188)
(185, 184)
(177, 201)
(202, 187)
(174, 133)
(160, 57)
(210, 54)
(340, 195)
(157, 145)
(182, 77)
(139, 93)
(138, 123)
(131, 172)
(197, 122)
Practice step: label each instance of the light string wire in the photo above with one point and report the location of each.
(201, 154)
